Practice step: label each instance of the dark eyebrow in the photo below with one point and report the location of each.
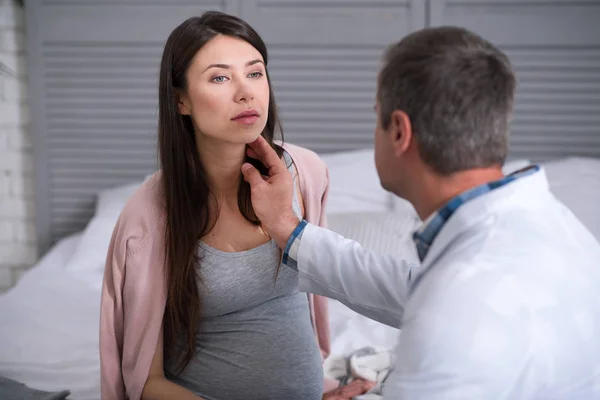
(249, 63)
(227, 66)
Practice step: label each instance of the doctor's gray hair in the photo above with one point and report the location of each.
(458, 91)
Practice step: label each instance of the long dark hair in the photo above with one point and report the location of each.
(186, 190)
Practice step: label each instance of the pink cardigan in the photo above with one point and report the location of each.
(134, 290)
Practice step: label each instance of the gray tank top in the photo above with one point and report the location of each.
(256, 339)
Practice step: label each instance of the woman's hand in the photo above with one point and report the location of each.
(353, 389)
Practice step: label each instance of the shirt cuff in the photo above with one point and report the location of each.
(290, 253)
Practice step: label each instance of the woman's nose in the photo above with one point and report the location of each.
(244, 93)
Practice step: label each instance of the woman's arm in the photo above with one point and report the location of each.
(158, 387)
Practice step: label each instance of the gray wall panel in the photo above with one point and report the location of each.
(93, 67)
(554, 46)
(324, 61)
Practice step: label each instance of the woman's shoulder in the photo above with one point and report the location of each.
(313, 179)
(303, 155)
(309, 165)
(143, 216)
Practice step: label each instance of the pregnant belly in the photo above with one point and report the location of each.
(264, 354)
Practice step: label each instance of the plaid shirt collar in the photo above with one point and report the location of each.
(426, 234)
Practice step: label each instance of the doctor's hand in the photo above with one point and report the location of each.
(272, 195)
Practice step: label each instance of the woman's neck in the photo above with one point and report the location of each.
(222, 162)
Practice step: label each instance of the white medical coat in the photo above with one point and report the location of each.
(506, 304)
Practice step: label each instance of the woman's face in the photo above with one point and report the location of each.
(227, 92)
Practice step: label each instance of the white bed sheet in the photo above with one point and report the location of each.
(49, 328)
(575, 181)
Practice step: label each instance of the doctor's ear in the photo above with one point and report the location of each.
(400, 130)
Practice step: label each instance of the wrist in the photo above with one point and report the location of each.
(285, 228)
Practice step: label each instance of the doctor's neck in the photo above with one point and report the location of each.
(435, 190)
(222, 162)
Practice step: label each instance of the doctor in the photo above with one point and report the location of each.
(505, 304)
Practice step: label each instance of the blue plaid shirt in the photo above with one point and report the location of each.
(290, 253)
(425, 236)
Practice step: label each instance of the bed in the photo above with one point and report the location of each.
(49, 320)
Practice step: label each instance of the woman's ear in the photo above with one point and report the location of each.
(183, 103)
(400, 131)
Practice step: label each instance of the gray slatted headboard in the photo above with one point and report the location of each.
(93, 68)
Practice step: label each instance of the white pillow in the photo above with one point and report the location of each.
(111, 201)
(354, 184)
(87, 263)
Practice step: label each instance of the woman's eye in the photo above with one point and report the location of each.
(255, 75)
(219, 79)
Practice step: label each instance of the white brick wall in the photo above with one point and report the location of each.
(17, 229)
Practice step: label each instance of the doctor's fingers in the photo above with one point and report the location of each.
(262, 151)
